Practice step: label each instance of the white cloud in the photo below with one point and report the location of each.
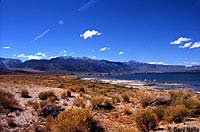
(40, 35)
(192, 63)
(158, 63)
(104, 49)
(180, 40)
(186, 45)
(195, 63)
(61, 22)
(121, 53)
(64, 53)
(37, 56)
(87, 5)
(41, 54)
(6, 47)
(195, 45)
(51, 57)
(21, 56)
(90, 34)
(33, 57)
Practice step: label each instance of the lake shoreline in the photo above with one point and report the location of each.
(135, 84)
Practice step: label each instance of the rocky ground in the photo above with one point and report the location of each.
(119, 118)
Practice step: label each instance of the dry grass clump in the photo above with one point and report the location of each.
(79, 102)
(46, 94)
(96, 101)
(145, 97)
(74, 120)
(35, 105)
(116, 98)
(62, 85)
(126, 97)
(130, 129)
(145, 119)
(181, 93)
(7, 101)
(82, 90)
(11, 122)
(66, 94)
(159, 111)
(188, 100)
(101, 102)
(175, 113)
(127, 111)
(24, 94)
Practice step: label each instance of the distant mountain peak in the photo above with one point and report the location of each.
(85, 64)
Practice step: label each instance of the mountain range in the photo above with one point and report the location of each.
(84, 64)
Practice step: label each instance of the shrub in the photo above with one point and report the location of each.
(126, 98)
(79, 102)
(159, 111)
(74, 120)
(66, 94)
(175, 113)
(145, 97)
(97, 101)
(192, 104)
(181, 93)
(108, 104)
(11, 122)
(127, 111)
(7, 101)
(25, 94)
(62, 85)
(46, 94)
(34, 105)
(82, 90)
(100, 102)
(69, 94)
(116, 98)
(145, 119)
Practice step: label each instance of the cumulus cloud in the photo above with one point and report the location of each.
(186, 45)
(37, 56)
(6, 47)
(90, 34)
(104, 49)
(121, 53)
(40, 35)
(195, 45)
(180, 40)
(87, 5)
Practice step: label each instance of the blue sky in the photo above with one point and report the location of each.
(154, 31)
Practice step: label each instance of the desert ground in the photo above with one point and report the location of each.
(60, 103)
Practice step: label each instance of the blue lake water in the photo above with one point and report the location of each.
(185, 79)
